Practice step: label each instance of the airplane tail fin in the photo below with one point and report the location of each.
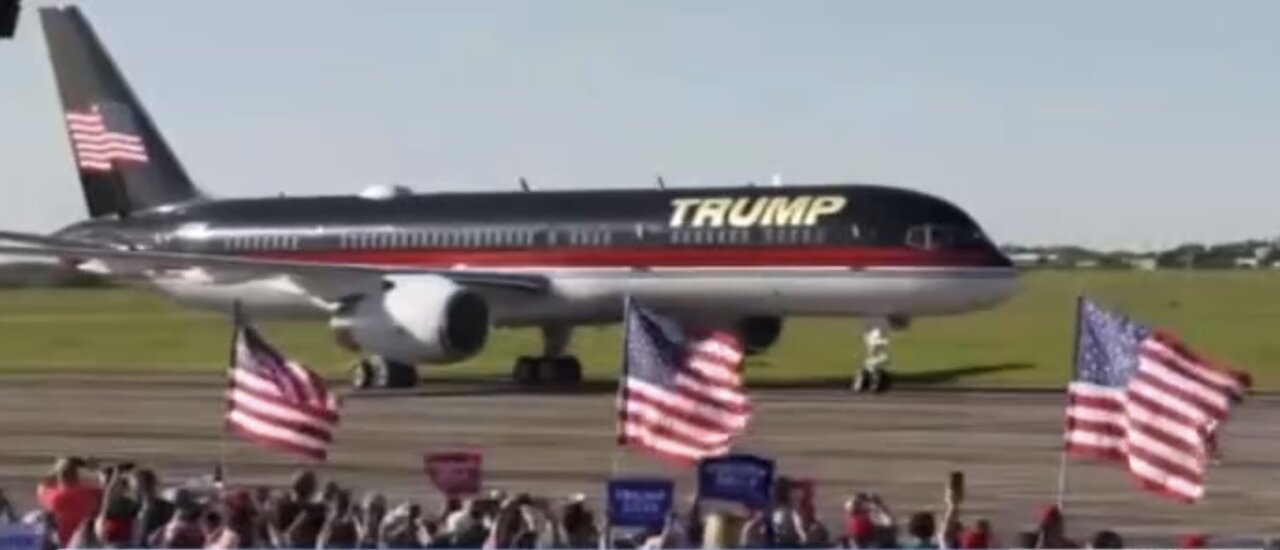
(124, 163)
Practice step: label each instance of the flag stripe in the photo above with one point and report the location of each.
(271, 411)
(1206, 370)
(96, 144)
(678, 401)
(682, 397)
(278, 403)
(264, 390)
(1143, 399)
(692, 431)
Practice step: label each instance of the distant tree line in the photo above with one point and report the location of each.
(1232, 255)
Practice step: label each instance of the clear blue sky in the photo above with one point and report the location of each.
(1135, 123)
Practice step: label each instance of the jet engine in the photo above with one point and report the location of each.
(417, 319)
(759, 333)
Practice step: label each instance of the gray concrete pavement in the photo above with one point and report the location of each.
(900, 445)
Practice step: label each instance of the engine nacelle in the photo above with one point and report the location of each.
(415, 319)
(759, 333)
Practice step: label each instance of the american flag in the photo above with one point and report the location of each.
(102, 134)
(1141, 398)
(681, 398)
(276, 402)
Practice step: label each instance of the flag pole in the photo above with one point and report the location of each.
(237, 321)
(622, 386)
(606, 541)
(1075, 362)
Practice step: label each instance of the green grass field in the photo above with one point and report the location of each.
(1233, 316)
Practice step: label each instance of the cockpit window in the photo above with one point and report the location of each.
(939, 237)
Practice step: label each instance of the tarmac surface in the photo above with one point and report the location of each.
(900, 445)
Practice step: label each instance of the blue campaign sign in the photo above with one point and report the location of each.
(640, 501)
(21, 536)
(745, 479)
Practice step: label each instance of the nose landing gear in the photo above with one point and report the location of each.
(874, 376)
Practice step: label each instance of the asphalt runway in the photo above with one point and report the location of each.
(900, 445)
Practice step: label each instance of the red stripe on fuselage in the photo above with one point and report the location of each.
(800, 256)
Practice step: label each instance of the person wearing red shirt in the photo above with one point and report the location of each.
(70, 500)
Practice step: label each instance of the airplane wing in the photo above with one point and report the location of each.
(43, 240)
(327, 275)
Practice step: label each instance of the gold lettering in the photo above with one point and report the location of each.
(803, 210)
(682, 207)
(785, 210)
(739, 218)
(829, 204)
(712, 212)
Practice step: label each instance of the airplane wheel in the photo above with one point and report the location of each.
(361, 375)
(566, 370)
(401, 375)
(527, 371)
(883, 380)
(862, 381)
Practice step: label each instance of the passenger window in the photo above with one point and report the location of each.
(918, 237)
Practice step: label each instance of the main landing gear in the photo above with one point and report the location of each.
(874, 375)
(381, 373)
(553, 367)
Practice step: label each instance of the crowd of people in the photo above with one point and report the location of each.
(86, 505)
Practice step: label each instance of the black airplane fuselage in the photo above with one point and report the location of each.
(846, 226)
(538, 258)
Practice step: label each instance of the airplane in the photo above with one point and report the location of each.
(407, 279)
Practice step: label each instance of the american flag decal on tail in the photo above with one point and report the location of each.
(102, 134)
